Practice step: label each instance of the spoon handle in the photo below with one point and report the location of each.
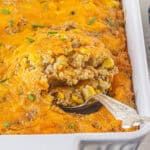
(120, 111)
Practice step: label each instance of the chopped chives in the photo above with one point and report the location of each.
(110, 21)
(63, 38)
(20, 92)
(52, 32)
(92, 20)
(7, 124)
(34, 25)
(11, 22)
(46, 8)
(5, 12)
(71, 126)
(30, 40)
(2, 81)
(43, 1)
(32, 97)
(1, 44)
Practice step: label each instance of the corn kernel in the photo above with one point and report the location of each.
(88, 91)
(85, 51)
(111, 3)
(61, 95)
(98, 91)
(60, 62)
(76, 99)
(108, 63)
(104, 84)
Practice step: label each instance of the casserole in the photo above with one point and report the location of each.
(116, 140)
(61, 61)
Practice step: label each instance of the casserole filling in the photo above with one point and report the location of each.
(61, 52)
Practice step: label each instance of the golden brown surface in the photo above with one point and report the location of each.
(52, 47)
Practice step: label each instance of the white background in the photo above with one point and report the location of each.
(145, 4)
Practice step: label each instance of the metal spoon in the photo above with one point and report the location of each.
(120, 111)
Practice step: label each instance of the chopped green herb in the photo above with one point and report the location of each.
(30, 40)
(2, 81)
(37, 25)
(92, 20)
(43, 1)
(20, 92)
(11, 22)
(1, 44)
(46, 8)
(7, 124)
(110, 21)
(52, 32)
(63, 38)
(32, 97)
(5, 12)
(71, 126)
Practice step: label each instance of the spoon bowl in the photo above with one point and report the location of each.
(120, 111)
(83, 108)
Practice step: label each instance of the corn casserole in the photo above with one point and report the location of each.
(61, 52)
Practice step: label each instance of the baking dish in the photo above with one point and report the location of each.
(105, 140)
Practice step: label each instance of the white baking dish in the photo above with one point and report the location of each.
(110, 141)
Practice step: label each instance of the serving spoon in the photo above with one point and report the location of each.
(120, 111)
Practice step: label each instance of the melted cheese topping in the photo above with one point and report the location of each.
(39, 39)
